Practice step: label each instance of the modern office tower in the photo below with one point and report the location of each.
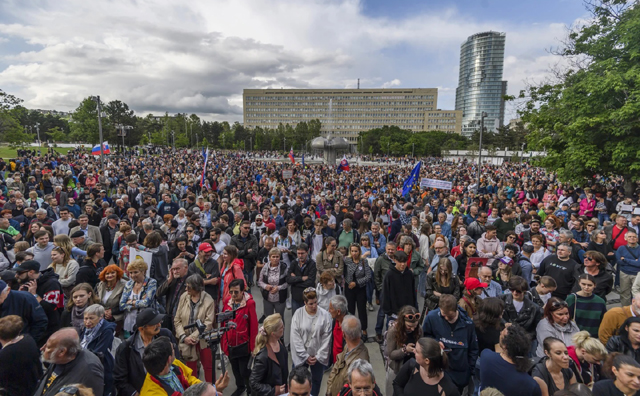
(345, 112)
(480, 86)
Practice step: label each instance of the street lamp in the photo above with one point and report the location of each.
(482, 116)
(38, 130)
(123, 131)
(97, 100)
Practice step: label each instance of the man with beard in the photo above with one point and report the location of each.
(534, 229)
(46, 288)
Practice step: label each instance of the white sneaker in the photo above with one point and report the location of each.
(370, 307)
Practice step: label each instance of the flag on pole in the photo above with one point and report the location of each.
(344, 165)
(303, 161)
(204, 169)
(412, 179)
(291, 157)
(105, 149)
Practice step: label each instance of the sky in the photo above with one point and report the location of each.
(196, 57)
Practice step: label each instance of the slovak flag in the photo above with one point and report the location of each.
(344, 165)
(105, 149)
(291, 157)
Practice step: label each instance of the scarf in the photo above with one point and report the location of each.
(77, 316)
(90, 334)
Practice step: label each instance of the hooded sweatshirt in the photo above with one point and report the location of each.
(398, 290)
(234, 271)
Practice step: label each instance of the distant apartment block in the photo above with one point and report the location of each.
(343, 112)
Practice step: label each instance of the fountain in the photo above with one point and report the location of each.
(329, 145)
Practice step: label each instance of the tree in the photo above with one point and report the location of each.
(56, 134)
(84, 127)
(587, 120)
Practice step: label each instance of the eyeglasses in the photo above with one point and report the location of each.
(412, 317)
(234, 292)
(354, 245)
(71, 390)
(590, 225)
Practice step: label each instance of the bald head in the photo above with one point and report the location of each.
(62, 347)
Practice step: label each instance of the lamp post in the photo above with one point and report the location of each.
(97, 100)
(482, 116)
(173, 137)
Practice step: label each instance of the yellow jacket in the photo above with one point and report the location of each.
(153, 387)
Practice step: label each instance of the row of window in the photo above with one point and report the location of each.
(340, 104)
(341, 98)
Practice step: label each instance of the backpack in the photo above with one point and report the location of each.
(385, 356)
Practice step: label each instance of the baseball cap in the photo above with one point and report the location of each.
(29, 265)
(113, 217)
(7, 276)
(474, 283)
(259, 217)
(535, 220)
(3, 285)
(148, 317)
(205, 247)
(507, 260)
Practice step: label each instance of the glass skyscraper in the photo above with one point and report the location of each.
(480, 86)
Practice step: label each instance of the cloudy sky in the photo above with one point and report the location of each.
(198, 56)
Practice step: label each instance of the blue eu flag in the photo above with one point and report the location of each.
(412, 179)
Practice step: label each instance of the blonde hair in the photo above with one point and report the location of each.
(491, 392)
(270, 325)
(64, 242)
(591, 345)
(21, 246)
(137, 265)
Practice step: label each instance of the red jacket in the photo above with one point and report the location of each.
(234, 272)
(246, 324)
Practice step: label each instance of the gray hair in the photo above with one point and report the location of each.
(567, 233)
(363, 367)
(464, 238)
(181, 261)
(375, 223)
(339, 303)
(407, 240)
(72, 346)
(195, 282)
(95, 309)
(566, 245)
(347, 221)
(351, 327)
(41, 211)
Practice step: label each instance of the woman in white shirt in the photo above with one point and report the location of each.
(539, 251)
(311, 329)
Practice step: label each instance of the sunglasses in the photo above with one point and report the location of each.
(588, 259)
(559, 304)
(412, 317)
(515, 291)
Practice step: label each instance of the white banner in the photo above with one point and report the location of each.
(433, 183)
(140, 254)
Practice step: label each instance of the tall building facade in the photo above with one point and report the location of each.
(343, 112)
(480, 86)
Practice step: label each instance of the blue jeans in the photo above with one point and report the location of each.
(295, 306)
(370, 288)
(602, 217)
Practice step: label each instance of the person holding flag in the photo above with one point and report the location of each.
(204, 169)
(105, 149)
(291, 157)
(412, 179)
(344, 165)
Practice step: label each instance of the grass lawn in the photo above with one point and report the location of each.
(8, 153)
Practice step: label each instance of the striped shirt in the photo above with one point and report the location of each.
(587, 312)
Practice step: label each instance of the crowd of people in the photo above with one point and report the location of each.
(501, 288)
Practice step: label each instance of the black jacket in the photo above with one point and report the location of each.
(604, 281)
(26, 306)
(622, 345)
(169, 289)
(85, 369)
(50, 290)
(107, 241)
(398, 290)
(88, 273)
(265, 370)
(527, 318)
(129, 372)
(296, 282)
(244, 245)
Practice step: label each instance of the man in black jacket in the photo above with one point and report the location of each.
(398, 286)
(129, 372)
(173, 287)
(23, 304)
(108, 232)
(529, 313)
(69, 364)
(303, 275)
(46, 288)
(247, 245)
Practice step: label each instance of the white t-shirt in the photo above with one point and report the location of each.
(518, 305)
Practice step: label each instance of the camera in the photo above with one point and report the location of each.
(225, 316)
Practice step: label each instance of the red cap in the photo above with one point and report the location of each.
(205, 247)
(473, 283)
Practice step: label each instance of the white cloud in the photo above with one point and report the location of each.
(197, 57)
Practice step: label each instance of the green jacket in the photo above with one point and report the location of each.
(380, 268)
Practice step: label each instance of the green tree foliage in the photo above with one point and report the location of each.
(505, 137)
(588, 119)
(396, 141)
(84, 127)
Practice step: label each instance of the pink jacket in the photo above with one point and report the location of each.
(587, 207)
(233, 272)
(489, 245)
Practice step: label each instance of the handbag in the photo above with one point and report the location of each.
(239, 351)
